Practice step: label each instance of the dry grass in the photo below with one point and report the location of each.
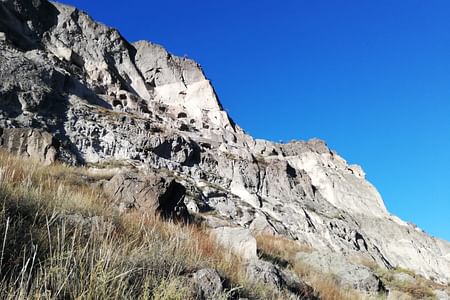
(325, 285)
(60, 240)
(283, 252)
(281, 247)
(67, 188)
(419, 288)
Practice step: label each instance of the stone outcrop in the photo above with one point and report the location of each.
(151, 194)
(75, 90)
(180, 82)
(238, 240)
(208, 284)
(272, 275)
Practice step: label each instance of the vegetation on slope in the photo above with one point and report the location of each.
(406, 282)
(60, 240)
(283, 251)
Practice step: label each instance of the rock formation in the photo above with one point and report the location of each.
(75, 90)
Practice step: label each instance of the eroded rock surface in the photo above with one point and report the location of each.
(33, 143)
(272, 275)
(238, 239)
(75, 90)
(150, 194)
(208, 284)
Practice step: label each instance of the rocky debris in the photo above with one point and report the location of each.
(237, 239)
(353, 275)
(150, 194)
(33, 143)
(272, 275)
(65, 76)
(208, 284)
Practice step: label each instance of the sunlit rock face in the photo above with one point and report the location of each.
(75, 90)
(180, 83)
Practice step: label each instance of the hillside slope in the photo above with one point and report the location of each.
(74, 90)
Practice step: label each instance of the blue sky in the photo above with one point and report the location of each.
(371, 78)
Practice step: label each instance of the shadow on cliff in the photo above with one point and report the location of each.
(55, 111)
(24, 25)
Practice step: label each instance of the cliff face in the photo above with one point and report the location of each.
(75, 90)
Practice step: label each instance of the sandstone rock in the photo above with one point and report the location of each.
(106, 58)
(180, 83)
(239, 240)
(208, 284)
(149, 194)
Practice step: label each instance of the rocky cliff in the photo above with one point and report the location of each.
(75, 90)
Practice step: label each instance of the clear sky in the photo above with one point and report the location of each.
(371, 78)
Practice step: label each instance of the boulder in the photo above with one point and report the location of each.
(152, 193)
(239, 240)
(267, 273)
(208, 284)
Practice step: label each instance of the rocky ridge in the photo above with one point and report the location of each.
(75, 90)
